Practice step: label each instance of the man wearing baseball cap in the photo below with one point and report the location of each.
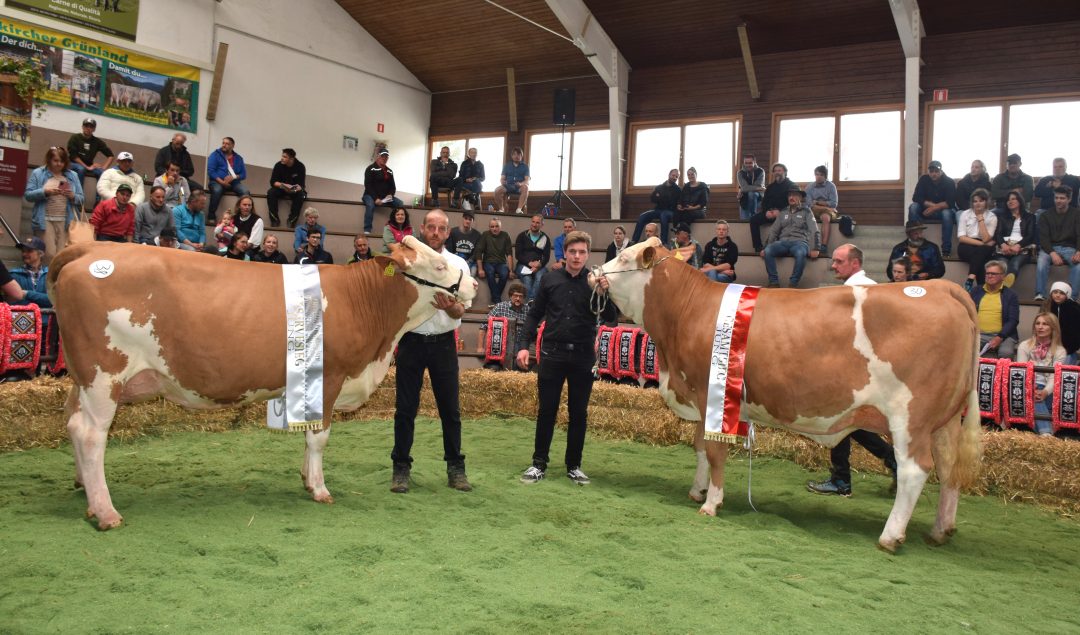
(83, 147)
(31, 276)
(1012, 179)
(379, 188)
(932, 202)
(114, 219)
(793, 233)
(123, 173)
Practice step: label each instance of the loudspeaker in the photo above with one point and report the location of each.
(565, 99)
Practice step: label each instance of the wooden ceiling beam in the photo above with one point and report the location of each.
(748, 62)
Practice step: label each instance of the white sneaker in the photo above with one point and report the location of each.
(466, 205)
(532, 475)
(577, 476)
(519, 211)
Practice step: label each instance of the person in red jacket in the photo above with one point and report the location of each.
(114, 219)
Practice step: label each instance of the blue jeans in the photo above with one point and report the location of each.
(795, 248)
(497, 274)
(1017, 261)
(1042, 269)
(947, 219)
(532, 282)
(82, 171)
(217, 190)
(460, 185)
(748, 205)
(1043, 407)
(718, 276)
(369, 210)
(651, 216)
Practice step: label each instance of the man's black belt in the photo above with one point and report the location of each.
(567, 346)
(431, 338)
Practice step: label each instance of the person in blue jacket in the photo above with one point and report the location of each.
(227, 173)
(57, 196)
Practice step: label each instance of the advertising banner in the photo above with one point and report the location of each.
(14, 139)
(99, 78)
(115, 17)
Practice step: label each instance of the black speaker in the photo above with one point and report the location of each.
(565, 99)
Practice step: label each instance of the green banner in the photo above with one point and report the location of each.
(115, 17)
(99, 78)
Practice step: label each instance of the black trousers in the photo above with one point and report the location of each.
(841, 454)
(756, 221)
(976, 256)
(558, 365)
(438, 355)
(273, 198)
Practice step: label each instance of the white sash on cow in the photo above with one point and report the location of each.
(301, 407)
(718, 365)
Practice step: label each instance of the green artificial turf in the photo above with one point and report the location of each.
(219, 536)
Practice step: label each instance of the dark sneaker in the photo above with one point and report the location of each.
(577, 476)
(399, 483)
(456, 479)
(532, 475)
(831, 486)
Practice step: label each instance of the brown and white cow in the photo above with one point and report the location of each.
(823, 362)
(149, 328)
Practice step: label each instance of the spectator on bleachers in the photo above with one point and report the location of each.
(1043, 348)
(57, 196)
(793, 233)
(1067, 312)
(684, 246)
(933, 200)
(311, 223)
(397, 228)
(824, 200)
(1017, 235)
(188, 220)
(176, 152)
(1012, 179)
(32, 274)
(287, 180)
(83, 148)
(247, 221)
(312, 252)
(532, 250)
(924, 255)
(1044, 191)
(967, 184)
(999, 313)
(619, 243)
(269, 252)
(177, 188)
(471, 179)
(463, 240)
(664, 197)
(379, 188)
(361, 250)
(227, 173)
(693, 201)
(238, 248)
(513, 180)
(443, 174)
(751, 179)
(774, 200)
(121, 173)
(167, 238)
(513, 309)
(568, 225)
(494, 257)
(900, 269)
(1059, 242)
(720, 255)
(114, 219)
(652, 230)
(975, 232)
(152, 216)
(225, 231)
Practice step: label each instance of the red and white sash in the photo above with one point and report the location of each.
(722, 420)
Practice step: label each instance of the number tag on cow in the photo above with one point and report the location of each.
(914, 292)
(102, 268)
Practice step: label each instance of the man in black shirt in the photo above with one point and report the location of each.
(665, 197)
(464, 239)
(721, 254)
(9, 289)
(287, 180)
(774, 200)
(312, 252)
(566, 355)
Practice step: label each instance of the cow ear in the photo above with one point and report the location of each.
(646, 256)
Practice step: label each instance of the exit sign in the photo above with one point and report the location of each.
(941, 94)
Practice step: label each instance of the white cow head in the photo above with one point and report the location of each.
(429, 272)
(628, 274)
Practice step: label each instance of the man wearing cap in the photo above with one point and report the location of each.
(379, 188)
(226, 171)
(932, 202)
(464, 239)
(31, 276)
(176, 152)
(167, 238)
(685, 247)
(1012, 179)
(152, 217)
(998, 310)
(924, 255)
(123, 172)
(1044, 191)
(793, 233)
(1059, 242)
(83, 147)
(114, 219)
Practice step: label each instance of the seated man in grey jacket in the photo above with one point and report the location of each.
(793, 233)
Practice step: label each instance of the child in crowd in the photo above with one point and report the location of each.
(1043, 348)
(1067, 310)
(225, 231)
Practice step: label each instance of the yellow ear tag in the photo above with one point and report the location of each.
(389, 271)
(679, 255)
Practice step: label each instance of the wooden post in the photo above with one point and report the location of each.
(748, 62)
(511, 95)
(219, 77)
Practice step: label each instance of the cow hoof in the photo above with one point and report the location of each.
(107, 521)
(890, 546)
(697, 496)
(324, 497)
(937, 539)
(706, 510)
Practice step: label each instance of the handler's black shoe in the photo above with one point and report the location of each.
(456, 479)
(831, 486)
(399, 483)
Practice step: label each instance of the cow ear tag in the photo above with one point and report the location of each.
(389, 271)
(678, 255)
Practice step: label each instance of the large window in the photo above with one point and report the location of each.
(856, 147)
(491, 151)
(709, 146)
(1037, 130)
(586, 162)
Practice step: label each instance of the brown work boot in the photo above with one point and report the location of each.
(399, 483)
(456, 479)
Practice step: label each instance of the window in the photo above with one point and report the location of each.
(962, 135)
(711, 147)
(491, 151)
(586, 162)
(1041, 132)
(855, 146)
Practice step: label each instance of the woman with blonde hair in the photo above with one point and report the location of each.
(1043, 348)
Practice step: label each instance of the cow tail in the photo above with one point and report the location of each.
(61, 259)
(965, 472)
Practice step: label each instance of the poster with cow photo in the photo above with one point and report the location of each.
(115, 17)
(134, 94)
(73, 79)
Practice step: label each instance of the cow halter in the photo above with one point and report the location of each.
(452, 289)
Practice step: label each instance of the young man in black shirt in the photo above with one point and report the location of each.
(566, 354)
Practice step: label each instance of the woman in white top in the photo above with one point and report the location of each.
(1043, 348)
(1016, 236)
(975, 231)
